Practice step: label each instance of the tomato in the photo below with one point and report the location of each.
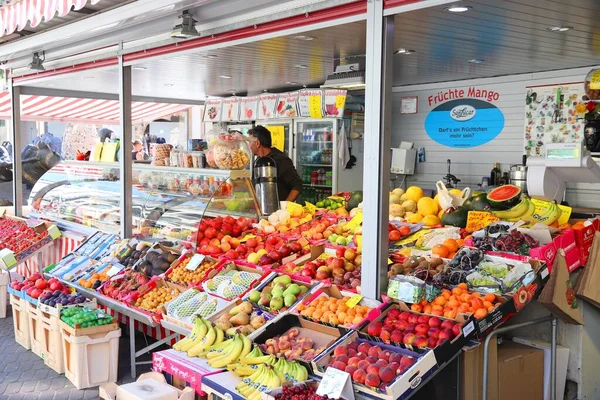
(404, 230)
(394, 235)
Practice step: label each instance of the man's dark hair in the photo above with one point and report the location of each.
(262, 134)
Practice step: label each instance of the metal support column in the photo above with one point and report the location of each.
(15, 125)
(377, 142)
(125, 148)
(499, 331)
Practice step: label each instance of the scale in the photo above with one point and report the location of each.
(547, 176)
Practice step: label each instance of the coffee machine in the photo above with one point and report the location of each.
(265, 184)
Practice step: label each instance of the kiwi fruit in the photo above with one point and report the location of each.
(412, 263)
(436, 261)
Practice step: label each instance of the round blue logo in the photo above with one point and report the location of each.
(464, 123)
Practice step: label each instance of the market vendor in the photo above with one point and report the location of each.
(289, 183)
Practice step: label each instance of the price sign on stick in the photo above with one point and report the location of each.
(477, 220)
(195, 262)
(336, 384)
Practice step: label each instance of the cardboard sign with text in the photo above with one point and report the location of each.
(477, 220)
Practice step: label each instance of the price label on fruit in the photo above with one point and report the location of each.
(195, 262)
(113, 271)
(542, 207)
(477, 220)
(595, 81)
(336, 384)
(354, 300)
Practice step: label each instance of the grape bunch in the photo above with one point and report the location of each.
(485, 243)
(496, 228)
(516, 242)
(466, 259)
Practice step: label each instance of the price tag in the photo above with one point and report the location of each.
(54, 232)
(195, 262)
(470, 327)
(277, 137)
(477, 220)
(7, 258)
(245, 238)
(336, 384)
(390, 262)
(340, 101)
(595, 80)
(113, 271)
(315, 106)
(354, 300)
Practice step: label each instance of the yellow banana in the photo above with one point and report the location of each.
(247, 346)
(515, 211)
(267, 359)
(206, 341)
(197, 326)
(526, 215)
(228, 357)
(202, 332)
(220, 336)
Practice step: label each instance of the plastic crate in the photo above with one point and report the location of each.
(20, 321)
(91, 360)
(52, 350)
(3, 295)
(36, 338)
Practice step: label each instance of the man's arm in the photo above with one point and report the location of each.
(291, 179)
(293, 195)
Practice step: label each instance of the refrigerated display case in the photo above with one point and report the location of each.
(286, 126)
(315, 156)
(168, 202)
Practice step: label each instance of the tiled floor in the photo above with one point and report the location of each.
(23, 375)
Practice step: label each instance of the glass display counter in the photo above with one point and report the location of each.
(168, 202)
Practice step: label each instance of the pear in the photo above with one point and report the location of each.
(254, 296)
(223, 324)
(285, 279)
(231, 331)
(292, 289)
(277, 292)
(265, 299)
(257, 322)
(240, 319)
(289, 299)
(244, 307)
(276, 303)
(303, 289)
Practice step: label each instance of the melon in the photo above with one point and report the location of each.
(455, 216)
(414, 193)
(398, 192)
(396, 210)
(395, 199)
(504, 197)
(414, 218)
(356, 198)
(427, 206)
(477, 203)
(431, 220)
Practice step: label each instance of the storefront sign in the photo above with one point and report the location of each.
(212, 110)
(231, 109)
(249, 108)
(286, 105)
(463, 123)
(266, 105)
(335, 100)
(310, 103)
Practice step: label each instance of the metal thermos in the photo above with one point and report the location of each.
(518, 175)
(265, 184)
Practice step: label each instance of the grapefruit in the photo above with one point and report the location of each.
(427, 206)
(431, 220)
(414, 218)
(414, 193)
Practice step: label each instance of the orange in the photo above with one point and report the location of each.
(451, 255)
(475, 294)
(490, 309)
(440, 250)
(480, 313)
(457, 291)
(437, 307)
(487, 304)
(465, 297)
(416, 307)
(301, 307)
(451, 245)
(440, 300)
(453, 303)
(342, 316)
(463, 286)
(463, 308)
(452, 314)
(424, 302)
(357, 320)
(489, 297)
(446, 293)
(460, 242)
(427, 309)
(438, 313)
(476, 303)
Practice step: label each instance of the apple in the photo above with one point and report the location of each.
(339, 252)
(285, 250)
(265, 260)
(350, 254)
(296, 247)
(274, 255)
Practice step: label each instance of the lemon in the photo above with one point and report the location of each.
(431, 220)
(427, 206)
(440, 213)
(414, 193)
(455, 191)
(414, 218)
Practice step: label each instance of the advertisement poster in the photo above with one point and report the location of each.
(249, 107)
(464, 121)
(310, 103)
(277, 137)
(212, 110)
(231, 109)
(335, 100)
(266, 105)
(553, 114)
(286, 105)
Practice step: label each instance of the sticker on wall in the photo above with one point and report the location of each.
(464, 123)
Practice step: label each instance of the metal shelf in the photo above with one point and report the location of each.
(316, 165)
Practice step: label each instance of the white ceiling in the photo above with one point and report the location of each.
(511, 37)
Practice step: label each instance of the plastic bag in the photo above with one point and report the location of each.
(231, 151)
(448, 199)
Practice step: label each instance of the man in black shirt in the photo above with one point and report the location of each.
(289, 183)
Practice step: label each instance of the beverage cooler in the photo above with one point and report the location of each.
(281, 128)
(315, 156)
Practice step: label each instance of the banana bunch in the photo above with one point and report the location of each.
(262, 380)
(522, 211)
(227, 352)
(549, 216)
(198, 332)
(286, 370)
(290, 371)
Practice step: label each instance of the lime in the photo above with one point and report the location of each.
(320, 204)
(326, 202)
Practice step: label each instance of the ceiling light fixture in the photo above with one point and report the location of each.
(304, 37)
(301, 66)
(185, 27)
(348, 76)
(458, 9)
(476, 61)
(405, 51)
(559, 28)
(140, 68)
(36, 62)
(225, 76)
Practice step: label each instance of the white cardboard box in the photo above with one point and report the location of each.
(562, 360)
(149, 386)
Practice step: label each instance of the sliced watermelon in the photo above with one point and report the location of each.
(504, 197)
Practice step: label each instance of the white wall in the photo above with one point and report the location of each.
(470, 165)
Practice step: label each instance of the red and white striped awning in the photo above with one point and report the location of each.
(77, 110)
(16, 15)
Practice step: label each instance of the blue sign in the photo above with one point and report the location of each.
(464, 123)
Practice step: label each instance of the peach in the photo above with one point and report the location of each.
(362, 356)
(372, 380)
(351, 369)
(353, 346)
(387, 374)
(359, 376)
(385, 335)
(354, 361)
(410, 328)
(420, 342)
(434, 322)
(339, 365)
(441, 341)
(395, 358)
(407, 361)
(404, 315)
(432, 342)
(381, 363)
(456, 329)
(447, 324)
(401, 324)
(409, 338)
(393, 366)
(374, 351)
(413, 319)
(340, 350)
(375, 328)
(446, 334)
(421, 329)
(342, 358)
(363, 364)
(433, 333)
(385, 355)
(352, 353)
(364, 347)
(397, 336)
(394, 313)
(423, 319)
(372, 369)
(372, 360)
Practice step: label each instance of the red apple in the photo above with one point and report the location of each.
(339, 252)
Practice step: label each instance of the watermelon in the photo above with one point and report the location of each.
(504, 197)
(477, 203)
(356, 198)
(455, 216)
